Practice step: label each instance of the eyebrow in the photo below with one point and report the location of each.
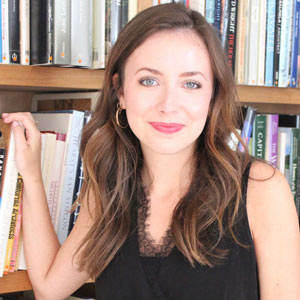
(185, 74)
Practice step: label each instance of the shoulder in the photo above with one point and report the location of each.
(268, 197)
(274, 227)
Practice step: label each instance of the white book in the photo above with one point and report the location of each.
(5, 32)
(253, 42)
(9, 183)
(99, 34)
(25, 31)
(198, 5)
(133, 8)
(81, 33)
(262, 43)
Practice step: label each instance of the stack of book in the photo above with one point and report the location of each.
(61, 32)
(261, 38)
(62, 171)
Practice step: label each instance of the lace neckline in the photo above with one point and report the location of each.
(147, 245)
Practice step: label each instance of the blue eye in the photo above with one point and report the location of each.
(148, 81)
(192, 85)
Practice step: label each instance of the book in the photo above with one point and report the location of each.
(281, 152)
(295, 42)
(210, 11)
(0, 31)
(62, 32)
(25, 32)
(259, 136)
(198, 5)
(285, 43)
(8, 188)
(5, 36)
(133, 9)
(14, 31)
(247, 126)
(70, 123)
(99, 34)
(81, 33)
(65, 101)
(270, 39)
(271, 138)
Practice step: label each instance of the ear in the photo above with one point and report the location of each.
(119, 89)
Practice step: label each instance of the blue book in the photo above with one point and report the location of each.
(217, 17)
(285, 43)
(270, 39)
(295, 41)
(210, 11)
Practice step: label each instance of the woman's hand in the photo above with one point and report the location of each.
(28, 144)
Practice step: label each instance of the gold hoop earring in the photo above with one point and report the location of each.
(118, 112)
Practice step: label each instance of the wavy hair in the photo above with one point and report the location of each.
(113, 158)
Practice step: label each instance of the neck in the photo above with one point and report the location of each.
(167, 174)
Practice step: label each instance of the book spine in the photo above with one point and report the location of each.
(294, 161)
(13, 222)
(62, 32)
(297, 198)
(7, 199)
(273, 132)
(14, 31)
(217, 16)
(99, 34)
(116, 19)
(285, 43)
(81, 29)
(5, 36)
(70, 174)
(253, 43)
(50, 37)
(295, 42)
(260, 136)
(132, 9)
(262, 43)
(125, 8)
(198, 5)
(0, 31)
(25, 32)
(270, 39)
(2, 160)
(210, 11)
(38, 32)
(15, 246)
(277, 41)
(240, 42)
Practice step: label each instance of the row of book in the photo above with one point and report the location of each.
(260, 37)
(61, 32)
(276, 139)
(62, 171)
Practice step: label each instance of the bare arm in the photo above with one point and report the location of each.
(275, 230)
(51, 268)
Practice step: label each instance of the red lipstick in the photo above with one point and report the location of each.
(167, 128)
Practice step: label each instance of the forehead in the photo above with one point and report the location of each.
(176, 49)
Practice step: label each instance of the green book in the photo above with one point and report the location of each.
(259, 136)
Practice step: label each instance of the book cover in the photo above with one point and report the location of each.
(62, 32)
(278, 21)
(8, 189)
(81, 33)
(285, 43)
(25, 32)
(295, 42)
(270, 39)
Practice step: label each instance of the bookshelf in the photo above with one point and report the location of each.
(25, 81)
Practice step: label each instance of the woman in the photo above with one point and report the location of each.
(167, 209)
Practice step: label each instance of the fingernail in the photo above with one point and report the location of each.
(15, 124)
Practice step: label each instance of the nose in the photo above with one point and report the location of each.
(168, 101)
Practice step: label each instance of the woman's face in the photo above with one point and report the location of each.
(167, 90)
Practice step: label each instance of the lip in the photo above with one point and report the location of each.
(167, 128)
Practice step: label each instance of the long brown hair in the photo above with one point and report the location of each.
(113, 158)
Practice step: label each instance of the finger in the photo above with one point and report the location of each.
(25, 119)
(20, 140)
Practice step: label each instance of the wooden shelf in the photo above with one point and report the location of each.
(270, 95)
(15, 282)
(42, 78)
